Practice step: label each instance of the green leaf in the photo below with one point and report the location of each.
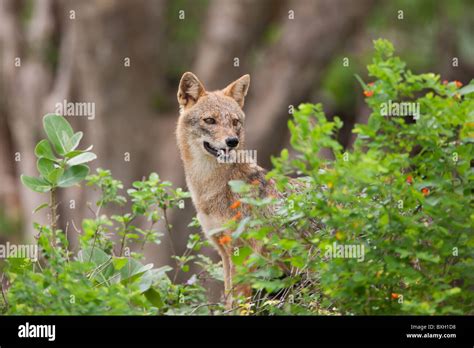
(216, 230)
(55, 175)
(241, 228)
(73, 175)
(45, 167)
(119, 262)
(59, 132)
(422, 255)
(36, 184)
(152, 277)
(241, 255)
(154, 297)
(452, 291)
(133, 270)
(103, 266)
(297, 261)
(43, 149)
(288, 244)
(49, 170)
(98, 257)
(74, 141)
(73, 153)
(18, 265)
(82, 158)
(466, 90)
(239, 186)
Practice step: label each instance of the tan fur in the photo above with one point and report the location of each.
(206, 178)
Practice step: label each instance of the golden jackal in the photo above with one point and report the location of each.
(211, 124)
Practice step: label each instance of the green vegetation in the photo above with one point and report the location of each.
(402, 198)
(100, 278)
(404, 194)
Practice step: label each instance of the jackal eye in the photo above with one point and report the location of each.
(235, 122)
(210, 120)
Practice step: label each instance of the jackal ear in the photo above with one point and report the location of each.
(190, 90)
(238, 89)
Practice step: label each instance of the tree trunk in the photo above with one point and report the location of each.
(294, 65)
(233, 29)
(28, 78)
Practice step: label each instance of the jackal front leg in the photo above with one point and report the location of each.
(225, 253)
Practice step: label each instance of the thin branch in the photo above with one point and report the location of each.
(53, 207)
(204, 305)
(3, 292)
(168, 229)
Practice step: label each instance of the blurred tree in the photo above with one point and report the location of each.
(52, 50)
(232, 32)
(27, 79)
(293, 65)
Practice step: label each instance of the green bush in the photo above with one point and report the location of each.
(102, 278)
(404, 194)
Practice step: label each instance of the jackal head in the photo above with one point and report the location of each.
(210, 123)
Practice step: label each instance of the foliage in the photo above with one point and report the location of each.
(69, 168)
(102, 278)
(404, 194)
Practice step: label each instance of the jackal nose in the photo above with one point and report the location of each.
(232, 142)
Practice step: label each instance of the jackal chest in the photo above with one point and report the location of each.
(211, 206)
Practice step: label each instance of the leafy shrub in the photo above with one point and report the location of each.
(102, 278)
(403, 194)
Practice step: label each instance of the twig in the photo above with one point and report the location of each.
(93, 243)
(52, 207)
(170, 240)
(96, 233)
(75, 227)
(178, 264)
(125, 227)
(3, 291)
(168, 229)
(147, 234)
(107, 280)
(67, 249)
(99, 268)
(204, 305)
